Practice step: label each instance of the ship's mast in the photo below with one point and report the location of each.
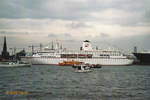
(135, 49)
(52, 46)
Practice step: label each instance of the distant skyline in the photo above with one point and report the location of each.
(120, 23)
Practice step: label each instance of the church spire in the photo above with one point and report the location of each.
(4, 45)
(5, 54)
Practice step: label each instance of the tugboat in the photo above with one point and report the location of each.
(82, 68)
(88, 65)
(96, 66)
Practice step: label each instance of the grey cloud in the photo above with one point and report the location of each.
(76, 25)
(126, 43)
(60, 36)
(70, 10)
(13, 33)
(38, 9)
(141, 41)
(20, 8)
(73, 10)
(71, 40)
(104, 35)
(52, 35)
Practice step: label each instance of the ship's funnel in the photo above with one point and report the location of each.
(86, 46)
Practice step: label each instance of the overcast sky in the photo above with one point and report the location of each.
(122, 23)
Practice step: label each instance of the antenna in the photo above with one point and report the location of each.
(61, 46)
(52, 45)
(135, 49)
(96, 48)
(32, 49)
(41, 47)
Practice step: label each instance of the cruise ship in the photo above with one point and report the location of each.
(86, 54)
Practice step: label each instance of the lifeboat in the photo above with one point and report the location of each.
(69, 63)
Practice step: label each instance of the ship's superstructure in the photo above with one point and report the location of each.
(86, 54)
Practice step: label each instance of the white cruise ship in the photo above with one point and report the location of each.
(86, 54)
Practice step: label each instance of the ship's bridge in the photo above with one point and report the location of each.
(86, 46)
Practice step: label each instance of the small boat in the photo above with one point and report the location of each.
(82, 68)
(90, 65)
(69, 63)
(95, 66)
(14, 64)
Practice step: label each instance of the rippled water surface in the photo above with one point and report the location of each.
(47, 82)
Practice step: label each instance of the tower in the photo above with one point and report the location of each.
(5, 54)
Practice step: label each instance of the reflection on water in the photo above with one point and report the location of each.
(44, 82)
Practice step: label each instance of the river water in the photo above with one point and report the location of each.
(47, 82)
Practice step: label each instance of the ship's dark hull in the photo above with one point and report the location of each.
(142, 58)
